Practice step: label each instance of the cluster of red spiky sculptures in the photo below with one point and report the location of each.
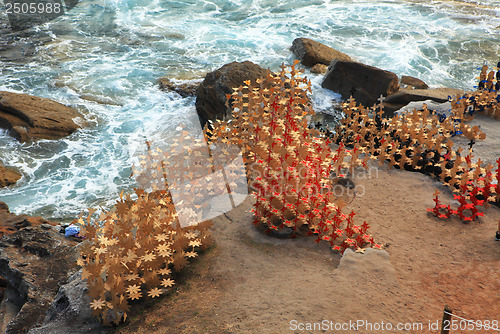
(471, 196)
(293, 186)
(289, 164)
(468, 203)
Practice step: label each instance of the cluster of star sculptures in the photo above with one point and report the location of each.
(130, 251)
(414, 141)
(289, 165)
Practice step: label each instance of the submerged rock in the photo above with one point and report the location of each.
(363, 82)
(211, 102)
(319, 69)
(184, 90)
(311, 52)
(31, 118)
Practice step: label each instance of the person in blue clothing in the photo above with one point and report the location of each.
(497, 235)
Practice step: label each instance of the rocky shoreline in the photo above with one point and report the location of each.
(342, 74)
(37, 263)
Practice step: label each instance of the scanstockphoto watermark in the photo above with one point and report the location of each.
(359, 325)
(461, 324)
(25, 14)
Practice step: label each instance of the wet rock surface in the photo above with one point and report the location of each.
(412, 82)
(405, 96)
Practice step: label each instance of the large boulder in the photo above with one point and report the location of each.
(35, 260)
(31, 118)
(211, 93)
(8, 176)
(363, 82)
(311, 52)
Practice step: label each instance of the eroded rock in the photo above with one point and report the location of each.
(31, 118)
(70, 311)
(405, 96)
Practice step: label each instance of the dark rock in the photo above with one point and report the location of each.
(211, 93)
(35, 263)
(100, 100)
(319, 69)
(8, 176)
(311, 52)
(391, 108)
(363, 82)
(31, 118)
(413, 82)
(70, 311)
(3, 287)
(184, 90)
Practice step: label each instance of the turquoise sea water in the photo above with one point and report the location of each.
(113, 52)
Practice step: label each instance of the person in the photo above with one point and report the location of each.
(497, 236)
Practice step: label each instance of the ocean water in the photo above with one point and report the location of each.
(104, 58)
